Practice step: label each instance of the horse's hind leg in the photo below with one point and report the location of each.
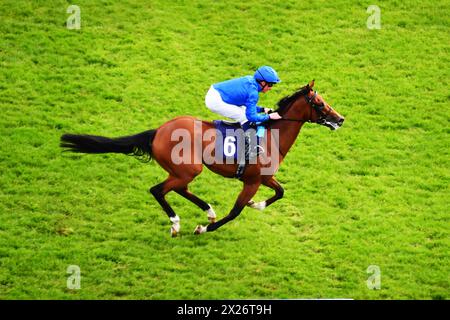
(160, 190)
(199, 203)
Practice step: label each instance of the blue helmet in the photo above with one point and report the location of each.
(267, 74)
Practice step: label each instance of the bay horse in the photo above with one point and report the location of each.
(305, 105)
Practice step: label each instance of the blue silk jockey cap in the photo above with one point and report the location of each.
(267, 74)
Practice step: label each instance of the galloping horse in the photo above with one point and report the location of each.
(305, 105)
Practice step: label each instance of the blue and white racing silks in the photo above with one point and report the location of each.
(243, 92)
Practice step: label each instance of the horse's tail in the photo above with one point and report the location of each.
(139, 145)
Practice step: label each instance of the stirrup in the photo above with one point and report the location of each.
(259, 150)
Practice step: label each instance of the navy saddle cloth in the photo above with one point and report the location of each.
(230, 142)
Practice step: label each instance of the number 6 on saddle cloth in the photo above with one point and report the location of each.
(238, 143)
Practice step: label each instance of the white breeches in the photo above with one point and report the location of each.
(214, 102)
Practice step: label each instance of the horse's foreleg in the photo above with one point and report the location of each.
(279, 192)
(246, 194)
(199, 203)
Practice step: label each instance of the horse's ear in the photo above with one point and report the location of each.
(311, 84)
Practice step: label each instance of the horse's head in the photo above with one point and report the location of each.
(323, 113)
(313, 108)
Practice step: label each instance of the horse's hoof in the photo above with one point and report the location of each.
(257, 205)
(174, 232)
(212, 219)
(200, 229)
(250, 203)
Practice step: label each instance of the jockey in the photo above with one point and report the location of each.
(237, 98)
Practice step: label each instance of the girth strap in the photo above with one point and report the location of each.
(240, 170)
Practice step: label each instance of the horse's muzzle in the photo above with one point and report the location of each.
(331, 123)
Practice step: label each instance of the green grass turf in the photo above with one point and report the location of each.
(375, 192)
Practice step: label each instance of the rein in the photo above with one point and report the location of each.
(296, 120)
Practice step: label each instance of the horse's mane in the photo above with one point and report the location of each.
(285, 102)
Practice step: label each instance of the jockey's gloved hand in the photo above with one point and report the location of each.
(275, 116)
(268, 110)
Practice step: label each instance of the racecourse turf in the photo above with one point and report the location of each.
(374, 193)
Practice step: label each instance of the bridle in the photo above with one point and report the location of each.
(322, 116)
